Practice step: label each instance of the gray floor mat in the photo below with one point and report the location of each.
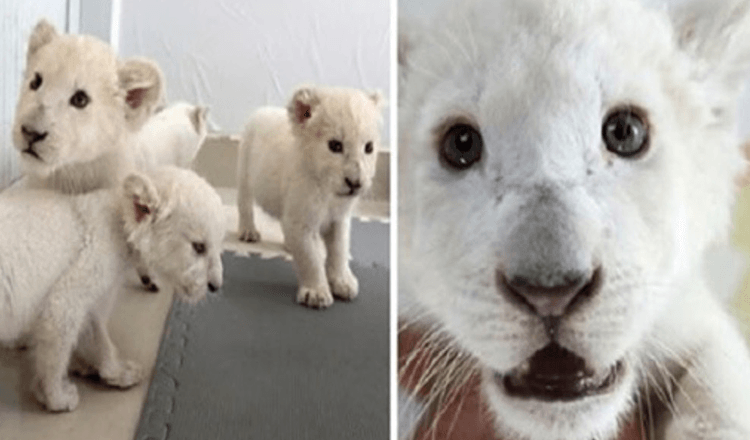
(252, 364)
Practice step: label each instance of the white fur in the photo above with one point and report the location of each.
(537, 78)
(286, 166)
(172, 136)
(62, 260)
(90, 147)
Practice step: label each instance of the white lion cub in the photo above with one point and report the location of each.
(564, 165)
(78, 109)
(172, 136)
(62, 260)
(306, 165)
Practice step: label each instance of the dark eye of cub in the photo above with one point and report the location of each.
(36, 82)
(79, 99)
(200, 248)
(461, 146)
(625, 132)
(335, 146)
(368, 148)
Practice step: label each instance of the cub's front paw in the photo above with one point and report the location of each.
(344, 285)
(317, 298)
(126, 375)
(250, 235)
(59, 396)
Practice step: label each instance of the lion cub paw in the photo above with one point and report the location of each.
(344, 285)
(57, 397)
(317, 298)
(251, 235)
(128, 374)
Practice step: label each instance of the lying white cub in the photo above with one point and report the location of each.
(306, 166)
(62, 260)
(78, 110)
(172, 136)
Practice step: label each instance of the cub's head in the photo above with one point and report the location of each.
(77, 100)
(338, 130)
(175, 221)
(563, 166)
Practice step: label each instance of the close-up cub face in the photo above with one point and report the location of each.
(177, 228)
(339, 129)
(77, 99)
(563, 165)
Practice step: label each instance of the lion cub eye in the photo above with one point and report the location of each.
(200, 248)
(461, 146)
(625, 132)
(79, 99)
(369, 148)
(36, 82)
(335, 146)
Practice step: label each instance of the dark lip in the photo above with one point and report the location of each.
(31, 152)
(561, 377)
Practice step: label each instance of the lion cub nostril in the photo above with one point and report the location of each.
(212, 287)
(557, 300)
(31, 136)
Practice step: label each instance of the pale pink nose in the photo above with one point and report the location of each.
(555, 300)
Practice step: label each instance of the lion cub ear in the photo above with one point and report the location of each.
(142, 83)
(141, 199)
(44, 32)
(302, 106)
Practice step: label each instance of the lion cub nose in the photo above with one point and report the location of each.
(32, 136)
(353, 184)
(556, 300)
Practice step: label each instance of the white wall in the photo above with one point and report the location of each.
(236, 55)
(18, 18)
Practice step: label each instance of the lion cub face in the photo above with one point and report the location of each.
(77, 100)
(563, 166)
(177, 229)
(339, 132)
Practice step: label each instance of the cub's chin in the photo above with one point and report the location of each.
(553, 396)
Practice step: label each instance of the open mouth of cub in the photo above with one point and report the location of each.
(556, 374)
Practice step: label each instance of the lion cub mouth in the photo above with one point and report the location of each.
(557, 374)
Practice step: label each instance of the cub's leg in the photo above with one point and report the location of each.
(342, 281)
(245, 196)
(97, 354)
(54, 336)
(303, 244)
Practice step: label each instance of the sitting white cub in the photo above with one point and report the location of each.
(78, 109)
(62, 260)
(172, 136)
(306, 166)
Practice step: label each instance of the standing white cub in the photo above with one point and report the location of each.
(78, 110)
(63, 259)
(306, 165)
(172, 136)
(563, 167)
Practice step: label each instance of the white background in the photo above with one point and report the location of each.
(231, 55)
